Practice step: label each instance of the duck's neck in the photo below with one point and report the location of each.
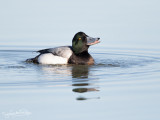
(85, 53)
(83, 58)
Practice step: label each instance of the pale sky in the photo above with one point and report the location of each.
(116, 22)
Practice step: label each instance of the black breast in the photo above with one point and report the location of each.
(82, 59)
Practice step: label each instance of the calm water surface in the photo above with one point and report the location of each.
(124, 84)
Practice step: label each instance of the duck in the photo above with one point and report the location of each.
(75, 54)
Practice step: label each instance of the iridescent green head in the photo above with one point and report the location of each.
(81, 42)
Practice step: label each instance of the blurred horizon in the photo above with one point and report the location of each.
(50, 23)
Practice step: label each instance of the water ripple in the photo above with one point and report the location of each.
(109, 65)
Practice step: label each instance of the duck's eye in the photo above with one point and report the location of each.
(79, 38)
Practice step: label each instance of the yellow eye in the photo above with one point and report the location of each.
(79, 38)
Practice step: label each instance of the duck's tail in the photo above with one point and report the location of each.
(33, 60)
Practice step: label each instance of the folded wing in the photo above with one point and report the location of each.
(63, 51)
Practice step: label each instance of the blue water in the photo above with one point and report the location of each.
(124, 83)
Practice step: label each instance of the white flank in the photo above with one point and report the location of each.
(49, 58)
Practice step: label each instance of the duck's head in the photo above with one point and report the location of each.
(81, 42)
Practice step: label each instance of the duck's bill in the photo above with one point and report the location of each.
(92, 41)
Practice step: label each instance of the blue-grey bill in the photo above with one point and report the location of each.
(92, 41)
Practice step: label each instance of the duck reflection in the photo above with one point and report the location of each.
(82, 90)
(81, 82)
(80, 71)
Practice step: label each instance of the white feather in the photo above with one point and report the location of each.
(49, 58)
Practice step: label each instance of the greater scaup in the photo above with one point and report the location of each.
(75, 54)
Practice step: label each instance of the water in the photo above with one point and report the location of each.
(123, 84)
